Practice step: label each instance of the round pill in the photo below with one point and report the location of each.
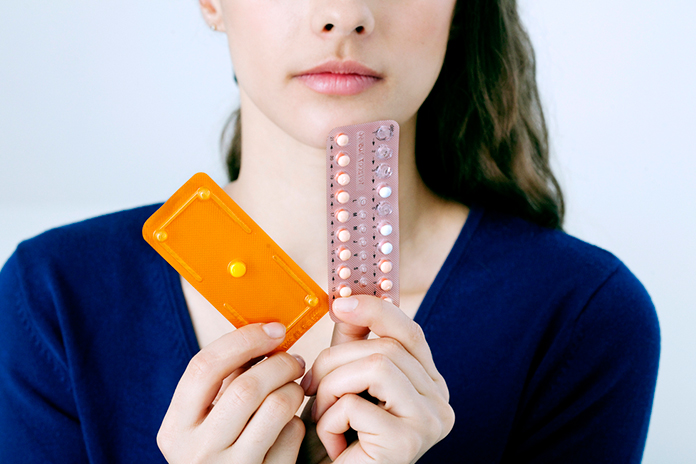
(343, 272)
(385, 229)
(237, 269)
(344, 254)
(343, 160)
(386, 266)
(386, 285)
(343, 197)
(385, 191)
(342, 215)
(343, 235)
(344, 291)
(161, 236)
(386, 248)
(342, 178)
(312, 300)
(342, 140)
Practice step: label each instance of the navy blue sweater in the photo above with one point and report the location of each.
(549, 346)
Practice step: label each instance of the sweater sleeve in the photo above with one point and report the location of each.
(38, 418)
(596, 405)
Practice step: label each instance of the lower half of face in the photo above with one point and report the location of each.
(311, 65)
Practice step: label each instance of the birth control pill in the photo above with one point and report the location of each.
(385, 191)
(342, 215)
(385, 229)
(344, 254)
(343, 197)
(345, 291)
(342, 140)
(342, 178)
(385, 266)
(343, 160)
(386, 284)
(343, 235)
(386, 248)
(344, 272)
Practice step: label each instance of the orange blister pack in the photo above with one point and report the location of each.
(232, 262)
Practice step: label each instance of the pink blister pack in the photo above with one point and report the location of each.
(363, 210)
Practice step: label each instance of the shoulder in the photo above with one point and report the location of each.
(542, 279)
(78, 259)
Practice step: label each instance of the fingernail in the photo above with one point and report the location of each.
(299, 360)
(306, 381)
(274, 329)
(345, 305)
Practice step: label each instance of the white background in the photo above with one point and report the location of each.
(114, 104)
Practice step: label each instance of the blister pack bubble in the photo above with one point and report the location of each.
(363, 210)
(232, 262)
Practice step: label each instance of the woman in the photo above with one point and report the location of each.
(513, 343)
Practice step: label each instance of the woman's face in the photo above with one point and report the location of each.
(311, 65)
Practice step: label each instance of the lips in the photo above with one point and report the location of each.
(339, 78)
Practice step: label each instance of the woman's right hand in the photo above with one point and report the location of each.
(227, 408)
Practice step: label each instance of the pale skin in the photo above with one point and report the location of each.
(282, 179)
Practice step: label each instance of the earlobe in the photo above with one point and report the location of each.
(212, 14)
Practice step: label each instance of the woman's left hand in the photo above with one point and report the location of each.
(397, 369)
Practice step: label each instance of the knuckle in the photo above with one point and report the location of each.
(377, 362)
(202, 364)
(282, 404)
(243, 390)
(390, 346)
(289, 364)
(416, 334)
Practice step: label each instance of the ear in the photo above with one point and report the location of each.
(212, 14)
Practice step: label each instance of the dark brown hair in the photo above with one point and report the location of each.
(484, 111)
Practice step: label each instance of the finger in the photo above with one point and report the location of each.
(385, 320)
(236, 373)
(206, 371)
(370, 421)
(336, 356)
(378, 376)
(267, 423)
(245, 395)
(287, 446)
